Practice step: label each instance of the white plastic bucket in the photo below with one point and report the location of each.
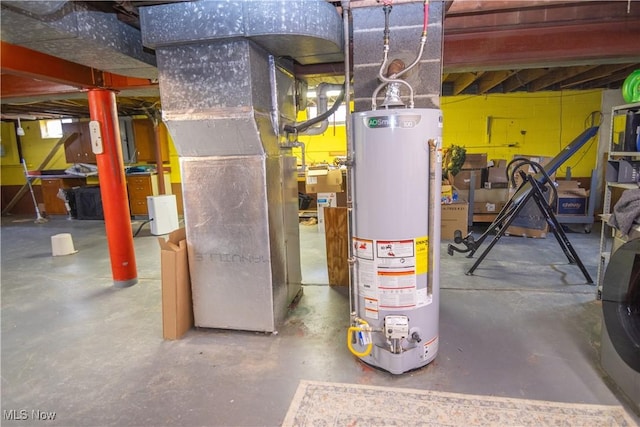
(62, 244)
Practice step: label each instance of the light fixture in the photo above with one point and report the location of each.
(19, 131)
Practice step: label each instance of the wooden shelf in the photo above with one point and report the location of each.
(484, 217)
(625, 185)
(624, 154)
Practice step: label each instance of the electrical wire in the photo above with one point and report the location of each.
(140, 228)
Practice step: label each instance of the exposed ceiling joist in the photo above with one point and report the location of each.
(522, 78)
(489, 47)
(593, 74)
(488, 82)
(550, 79)
(463, 81)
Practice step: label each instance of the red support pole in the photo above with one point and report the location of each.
(113, 189)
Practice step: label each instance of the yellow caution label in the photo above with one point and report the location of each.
(422, 255)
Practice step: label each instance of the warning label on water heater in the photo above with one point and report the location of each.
(387, 273)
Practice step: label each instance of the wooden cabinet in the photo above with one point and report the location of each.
(144, 137)
(79, 150)
(50, 188)
(141, 186)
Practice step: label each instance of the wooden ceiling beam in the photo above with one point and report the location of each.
(464, 81)
(598, 72)
(522, 78)
(614, 77)
(488, 82)
(556, 76)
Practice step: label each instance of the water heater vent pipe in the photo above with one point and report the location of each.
(393, 80)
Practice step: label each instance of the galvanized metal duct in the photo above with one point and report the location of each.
(72, 31)
(226, 94)
(308, 31)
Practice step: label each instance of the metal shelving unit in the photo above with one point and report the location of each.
(607, 232)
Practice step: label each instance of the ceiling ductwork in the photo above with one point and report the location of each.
(76, 32)
(487, 47)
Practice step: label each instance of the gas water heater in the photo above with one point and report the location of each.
(395, 240)
(395, 186)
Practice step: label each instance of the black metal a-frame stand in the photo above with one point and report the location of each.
(532, 187)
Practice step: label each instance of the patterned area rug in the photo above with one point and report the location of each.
(318, 404)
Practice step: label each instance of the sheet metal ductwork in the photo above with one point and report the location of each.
(226, 93)
(72, 31)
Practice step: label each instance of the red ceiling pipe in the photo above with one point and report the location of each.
(113, 189)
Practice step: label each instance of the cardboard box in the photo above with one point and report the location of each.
(526, 232)
(572, 200)
(454, 216)
(498, 163)
(323, 180)
(325, 200)
(541, 160)
(489, 200)
(475, 161)
(530, 221)
(622, 171)
(177, 306)
(497, 177)
(496, 195)
(462, 180)
(487, 207)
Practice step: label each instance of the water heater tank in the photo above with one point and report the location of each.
(395, 237)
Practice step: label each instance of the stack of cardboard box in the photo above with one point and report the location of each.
(475, 165)
(326, 183)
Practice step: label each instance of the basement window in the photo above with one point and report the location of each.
(50, 129)
(339, 117)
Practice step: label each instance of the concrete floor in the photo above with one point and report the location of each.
(525, 326)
